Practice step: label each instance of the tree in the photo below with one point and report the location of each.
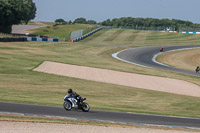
(149, 22)
(15, 12)
(91, 22)
(70, 22)
(29, 10)
(60, 20)
(80, 20)
(107, 23)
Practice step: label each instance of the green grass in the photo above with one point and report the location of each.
(18, 83)
(6, 35)
(134, 38)
(114, 35)
(61, 31)
(158, 36)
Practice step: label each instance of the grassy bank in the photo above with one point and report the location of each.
(60, 31)
(18, 83)
(134, 38)
(6, 35)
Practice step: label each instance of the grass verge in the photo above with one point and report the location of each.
(61, 31)
(6, 35)
(134, 38)
(17, 118)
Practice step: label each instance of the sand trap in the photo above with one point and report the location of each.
(121, 78)
(28, 127)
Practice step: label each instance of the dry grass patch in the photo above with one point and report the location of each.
(184, 59)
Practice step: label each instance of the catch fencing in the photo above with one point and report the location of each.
(87, 35)
(76, 34)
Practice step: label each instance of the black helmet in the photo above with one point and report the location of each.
(69, 90)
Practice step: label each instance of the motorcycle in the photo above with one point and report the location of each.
(71, 103)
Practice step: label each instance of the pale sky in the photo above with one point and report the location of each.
(100, 10)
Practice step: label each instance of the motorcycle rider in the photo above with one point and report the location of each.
(71, 93)
(197, 69)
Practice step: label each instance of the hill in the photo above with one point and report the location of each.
(60, 30)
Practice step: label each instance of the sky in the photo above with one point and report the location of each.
(100, 10)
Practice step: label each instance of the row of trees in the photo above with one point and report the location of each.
(148, 22)
(139, 22)
(78, 20)
(15, 12)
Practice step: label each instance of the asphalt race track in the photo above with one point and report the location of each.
(140, 56)
(94, 115)
(144, 57)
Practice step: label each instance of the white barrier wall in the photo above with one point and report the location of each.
(42, 39)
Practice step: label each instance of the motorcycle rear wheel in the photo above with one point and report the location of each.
(85, 107)
(67, 105)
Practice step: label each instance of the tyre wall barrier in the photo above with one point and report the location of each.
(13, 39)
(43, 39)
(86, 35)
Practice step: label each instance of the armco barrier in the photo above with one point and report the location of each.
(190, 32)
(12, 39)
(170, 31)
(86, 35)
(42, 39)
(184, 32)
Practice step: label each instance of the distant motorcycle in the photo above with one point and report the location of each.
(161, 49)
(71, 103)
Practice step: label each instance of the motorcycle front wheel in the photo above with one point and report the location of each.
(67, 105)
(85, 107)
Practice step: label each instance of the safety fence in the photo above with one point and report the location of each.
(76, 34)
(87, 35)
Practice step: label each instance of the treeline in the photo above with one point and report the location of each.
(78, 20)
(140, 23)
(15, 12)
(148, 22)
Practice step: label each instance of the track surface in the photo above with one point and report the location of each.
(22, 29)
(139, 119)
(143, 56)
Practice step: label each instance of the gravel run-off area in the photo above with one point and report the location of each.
(121, 78)
(29, 127)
